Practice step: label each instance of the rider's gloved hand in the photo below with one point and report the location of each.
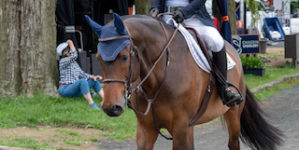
(178, 16)
(154, 12)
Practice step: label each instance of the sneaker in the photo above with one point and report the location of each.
(93, 94)
(95, 106)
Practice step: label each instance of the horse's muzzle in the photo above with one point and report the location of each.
(114, 110)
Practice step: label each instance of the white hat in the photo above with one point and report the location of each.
(61, 47)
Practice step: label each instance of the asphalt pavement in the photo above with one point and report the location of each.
(282, 109)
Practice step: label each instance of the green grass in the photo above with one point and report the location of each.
(70, 137)
(75, 112)
(266, 93)
(76, 141)
(272, 74)
(93, 139)
(23, 142)
(68, 132)
(270, 55)
(58, 111)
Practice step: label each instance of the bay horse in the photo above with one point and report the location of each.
(172, 86)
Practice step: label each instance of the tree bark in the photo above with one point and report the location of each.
(142, 6)
(232, 15)
(27, 53)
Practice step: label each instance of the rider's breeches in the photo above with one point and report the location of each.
(209, 35)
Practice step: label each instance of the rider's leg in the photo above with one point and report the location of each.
(214, 42)
(229, 98)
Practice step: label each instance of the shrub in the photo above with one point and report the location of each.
(252, 62)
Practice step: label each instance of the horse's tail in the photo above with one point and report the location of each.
(256, 132)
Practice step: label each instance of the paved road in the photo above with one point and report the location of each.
(283, 109)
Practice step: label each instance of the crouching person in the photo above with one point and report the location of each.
(74, 82)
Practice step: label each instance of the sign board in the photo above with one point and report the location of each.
(244, 43)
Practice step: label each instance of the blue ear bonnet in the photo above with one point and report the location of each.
(110, 49)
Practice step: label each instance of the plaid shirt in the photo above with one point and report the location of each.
(70, 71)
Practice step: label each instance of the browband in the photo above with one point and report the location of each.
(115, 38)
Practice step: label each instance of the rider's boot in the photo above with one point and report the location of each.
(228, 97)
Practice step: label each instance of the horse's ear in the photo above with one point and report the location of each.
(95, 26)
(119, 24)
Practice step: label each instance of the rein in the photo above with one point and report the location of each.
(150, 101)
(128, 82)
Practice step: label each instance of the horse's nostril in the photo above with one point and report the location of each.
(117, 109)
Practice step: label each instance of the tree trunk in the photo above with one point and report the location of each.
(232, 15)
(142, 6)
(27, 53)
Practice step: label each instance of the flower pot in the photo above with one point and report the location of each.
(255, 71)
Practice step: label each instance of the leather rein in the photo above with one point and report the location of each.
(127, 83)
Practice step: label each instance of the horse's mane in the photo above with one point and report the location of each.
(147, 21)
(142, 18)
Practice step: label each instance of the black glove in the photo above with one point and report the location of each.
(154, 12)
(178, 16)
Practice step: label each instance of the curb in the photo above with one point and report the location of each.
(267, 85)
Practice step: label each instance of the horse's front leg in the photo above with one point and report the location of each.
(183, 137)
(146, 137)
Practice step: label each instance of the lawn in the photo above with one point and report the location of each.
(265, 93)
(59, 112)
(50, 111)
(272, 74)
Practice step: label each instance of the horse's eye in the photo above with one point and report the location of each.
(123, 58)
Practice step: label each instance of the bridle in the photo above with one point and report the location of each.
(128, 90)
(127, 83)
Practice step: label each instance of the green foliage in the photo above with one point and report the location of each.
(253, 7)
(295, 5)
(252, 62)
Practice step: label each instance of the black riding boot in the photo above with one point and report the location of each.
(228, 97)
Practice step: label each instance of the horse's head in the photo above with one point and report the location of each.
(114, 54)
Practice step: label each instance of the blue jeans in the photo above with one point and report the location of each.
(79, 88)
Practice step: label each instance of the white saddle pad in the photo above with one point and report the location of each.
(196, 51)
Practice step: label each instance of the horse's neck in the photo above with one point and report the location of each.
(150, 43)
